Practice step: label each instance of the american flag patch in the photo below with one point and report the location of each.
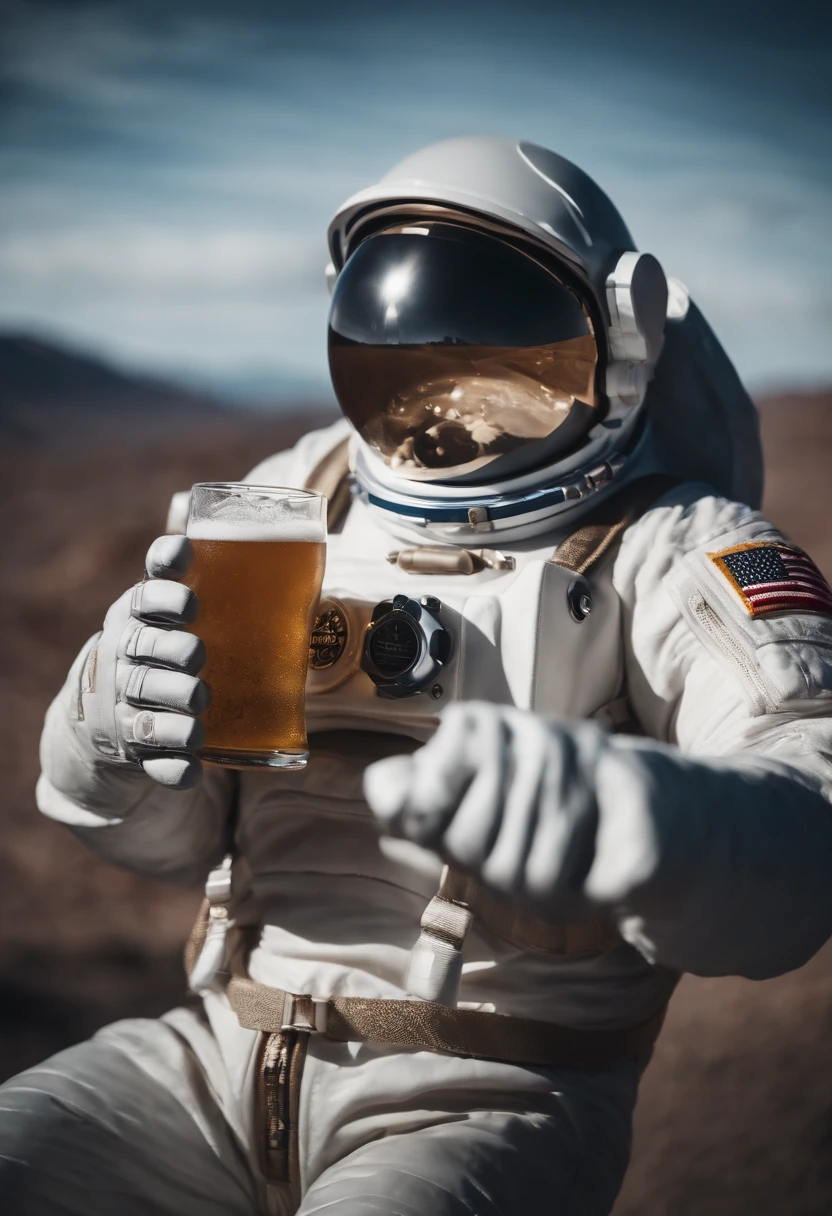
(774, 578)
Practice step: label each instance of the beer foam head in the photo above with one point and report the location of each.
(286, 530)
(246, 514)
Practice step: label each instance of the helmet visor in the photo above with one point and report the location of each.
(449, 348)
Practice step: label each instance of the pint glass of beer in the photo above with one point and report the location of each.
(257, 571)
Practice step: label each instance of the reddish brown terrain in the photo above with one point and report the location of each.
(736, 1110)
(735, 1114)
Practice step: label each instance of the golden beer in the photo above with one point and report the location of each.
(258, 581)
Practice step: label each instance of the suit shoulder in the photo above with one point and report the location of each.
(293, 465)
(691, 516)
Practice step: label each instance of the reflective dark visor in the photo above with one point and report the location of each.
(449, 348)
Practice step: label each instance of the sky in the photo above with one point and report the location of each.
(168, 170)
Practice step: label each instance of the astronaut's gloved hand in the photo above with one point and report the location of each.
(504, 794)
(139, 695)
(559, 815)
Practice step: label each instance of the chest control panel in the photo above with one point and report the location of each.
(406, 645)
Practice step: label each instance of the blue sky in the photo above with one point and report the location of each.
(168, 171)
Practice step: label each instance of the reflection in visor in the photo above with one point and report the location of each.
(449, 348)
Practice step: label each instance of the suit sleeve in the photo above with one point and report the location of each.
(174, 835)
(118, 811)
(734, 877)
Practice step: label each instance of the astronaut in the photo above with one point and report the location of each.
(568, 706)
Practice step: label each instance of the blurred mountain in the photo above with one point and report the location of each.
(797, 443)
(49, 392)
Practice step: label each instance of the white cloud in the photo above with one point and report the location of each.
(128, 260)
(166, 192)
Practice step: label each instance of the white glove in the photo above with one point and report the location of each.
(138, 693)
(716, 867)
(559, 815)
(503, 794)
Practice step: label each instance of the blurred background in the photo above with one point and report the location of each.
(167, 172)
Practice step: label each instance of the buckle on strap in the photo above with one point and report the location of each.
(307, 1013)
(218, 886)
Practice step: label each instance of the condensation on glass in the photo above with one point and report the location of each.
(257, 570)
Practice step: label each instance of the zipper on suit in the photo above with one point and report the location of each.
(274, 1075)
(732, 650)
(279, 1075)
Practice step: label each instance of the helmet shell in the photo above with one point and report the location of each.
(532, 194)
(521, 186)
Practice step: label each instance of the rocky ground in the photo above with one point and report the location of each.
(736, 1110)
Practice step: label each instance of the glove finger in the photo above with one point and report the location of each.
(567, 815)
(628, 848)
(475, 823)
(163, 648)
(171, 732)
(440, 772)
(159, 688)
(119, 614)
(160, 601)
(529, 743)
(175, 772)
(386, 786)
(169, 557)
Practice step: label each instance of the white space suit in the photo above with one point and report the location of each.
(607, 861)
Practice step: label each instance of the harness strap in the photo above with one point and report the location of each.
(432, 1027)
(330, 477)
(196, 938)
(609, 521)
(511, 922)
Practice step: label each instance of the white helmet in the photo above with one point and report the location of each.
(493, 331)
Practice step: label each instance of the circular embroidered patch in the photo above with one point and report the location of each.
(330, 635)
